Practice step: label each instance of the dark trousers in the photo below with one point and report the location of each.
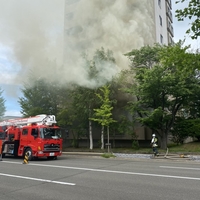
(155, 150)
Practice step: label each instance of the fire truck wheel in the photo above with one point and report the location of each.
(30, 155)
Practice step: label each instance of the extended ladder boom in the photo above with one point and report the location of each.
(39, 119)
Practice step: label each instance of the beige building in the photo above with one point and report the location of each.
(164, 21)
(118, 25)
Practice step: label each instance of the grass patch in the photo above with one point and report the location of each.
(192, 147)
(108, 155)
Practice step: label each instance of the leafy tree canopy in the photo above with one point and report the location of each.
(162, 90)
(103, 115)
(184, 128)
(191, 12)
(39, 98)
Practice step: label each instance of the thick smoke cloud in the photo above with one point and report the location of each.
(118, 25)
(33, 31)
(37, 32)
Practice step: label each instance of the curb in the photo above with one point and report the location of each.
(82, 153)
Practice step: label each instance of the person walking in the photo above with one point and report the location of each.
(154, 145)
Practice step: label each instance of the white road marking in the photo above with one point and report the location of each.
(187, 168)
(36, 179)
(110, 171)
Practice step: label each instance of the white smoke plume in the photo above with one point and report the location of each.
(47, 37)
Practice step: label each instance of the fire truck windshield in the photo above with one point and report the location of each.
(50, 133)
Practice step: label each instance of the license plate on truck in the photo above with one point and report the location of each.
(51, 154)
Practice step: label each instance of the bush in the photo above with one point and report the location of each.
(135, 145)
(108, 155)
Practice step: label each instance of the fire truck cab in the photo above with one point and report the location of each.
(37, 136)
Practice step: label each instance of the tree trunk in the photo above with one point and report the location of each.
(108, 142)
(113, 143)
(163, 141)
(102, 137)
(90, 129)
(75, 142)
(90, 134)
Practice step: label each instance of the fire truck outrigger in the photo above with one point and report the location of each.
(36, 136)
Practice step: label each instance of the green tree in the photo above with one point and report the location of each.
(2, 104)
(103, 115)
(192, 110)
(84, 98)
(192, 12)
(180, 130)
(41, 97)
(164, 89)
(125, 125)
(194, 127)
(184, 128)
(80, 110)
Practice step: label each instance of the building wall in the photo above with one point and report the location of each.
(117, 25)
(163, 21)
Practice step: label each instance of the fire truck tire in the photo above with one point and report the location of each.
(30, 154)
(3, 154)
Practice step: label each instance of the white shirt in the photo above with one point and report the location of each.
(153, 142)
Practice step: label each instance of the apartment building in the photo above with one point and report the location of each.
(164, 21)
(149, 21)
(117, 25)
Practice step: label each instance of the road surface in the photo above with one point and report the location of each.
(96, 178)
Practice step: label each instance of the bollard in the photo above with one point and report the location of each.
(25, 158)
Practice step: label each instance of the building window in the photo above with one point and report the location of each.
(160, 20)
(170, 3)
(169, 13)
(161, 39)
(159, 3)
(171, 40)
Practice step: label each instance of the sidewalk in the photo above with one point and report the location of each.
(142, 156)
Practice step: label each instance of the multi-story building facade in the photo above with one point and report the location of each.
(118, 25)
(164, 21)
(88, 22)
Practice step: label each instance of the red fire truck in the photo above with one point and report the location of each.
(36, 136)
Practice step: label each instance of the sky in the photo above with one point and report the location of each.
(34, 37)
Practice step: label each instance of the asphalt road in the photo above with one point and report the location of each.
(95, 178)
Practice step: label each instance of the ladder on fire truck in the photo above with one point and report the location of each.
(42, 119)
